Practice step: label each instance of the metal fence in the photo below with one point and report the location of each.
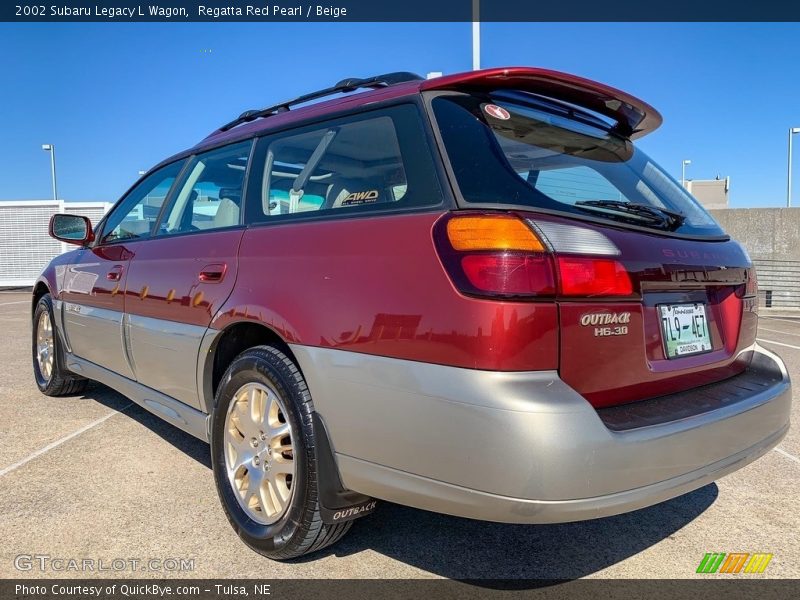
(778, 283)
(25, 246)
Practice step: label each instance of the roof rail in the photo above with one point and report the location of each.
(345, 85)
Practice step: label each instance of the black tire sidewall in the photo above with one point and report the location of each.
(262, 366)
(45, 304)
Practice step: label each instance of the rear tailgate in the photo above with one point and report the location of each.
(613, 350)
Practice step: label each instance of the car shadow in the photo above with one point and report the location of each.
(487, 554)
(186, 443)
(534, 555)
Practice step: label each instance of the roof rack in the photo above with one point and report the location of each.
(345, 85)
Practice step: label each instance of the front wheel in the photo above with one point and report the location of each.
(263, 455)
(51, 376)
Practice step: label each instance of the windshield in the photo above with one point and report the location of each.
(515, 148)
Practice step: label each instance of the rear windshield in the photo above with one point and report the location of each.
(514, 148)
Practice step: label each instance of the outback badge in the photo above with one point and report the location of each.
(607, 324)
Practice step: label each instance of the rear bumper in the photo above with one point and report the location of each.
(525, 447)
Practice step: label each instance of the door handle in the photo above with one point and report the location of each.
(115, 274)
(213, 273)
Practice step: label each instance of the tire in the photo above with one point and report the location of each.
(50, 373)
(264, 377)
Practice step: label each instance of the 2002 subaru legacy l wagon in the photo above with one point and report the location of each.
(470, 294)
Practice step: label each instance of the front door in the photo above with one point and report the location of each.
(93, 290)
(93, 297)
(179, 279)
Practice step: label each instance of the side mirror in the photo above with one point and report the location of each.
(72, 229)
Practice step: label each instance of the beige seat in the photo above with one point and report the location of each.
(227, 214)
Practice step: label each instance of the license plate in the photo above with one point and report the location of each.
(684, 329)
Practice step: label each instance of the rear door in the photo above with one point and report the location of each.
(181, 277)
(94, 286)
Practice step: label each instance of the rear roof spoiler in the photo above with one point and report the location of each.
(633, 117)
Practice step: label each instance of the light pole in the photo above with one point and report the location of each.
(52, 150)
(792, 131)
(476, 35)
(684, 164)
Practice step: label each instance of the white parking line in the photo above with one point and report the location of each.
(795, 321)
(778, 331)
(17, 302)
(63, 440)
(778, 343)
(787, 455)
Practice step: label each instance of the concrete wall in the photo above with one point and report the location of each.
(767, 233)
(711, 193)
(772, 238)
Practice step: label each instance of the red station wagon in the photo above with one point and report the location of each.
(470, 294)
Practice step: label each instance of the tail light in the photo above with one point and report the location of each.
(510, 274)
(593, 277)
(503, 256)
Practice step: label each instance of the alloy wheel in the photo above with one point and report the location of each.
(45, 346)
(259, 452)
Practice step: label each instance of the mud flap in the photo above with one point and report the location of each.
(337, 504)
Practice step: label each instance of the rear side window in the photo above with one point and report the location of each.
(371, 162)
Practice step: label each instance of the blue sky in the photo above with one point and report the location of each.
(116, 98)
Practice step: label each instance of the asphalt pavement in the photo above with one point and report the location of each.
(96, 478)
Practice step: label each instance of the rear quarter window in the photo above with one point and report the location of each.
(372, 162)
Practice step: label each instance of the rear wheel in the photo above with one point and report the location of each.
(51, 377)
(263, 454)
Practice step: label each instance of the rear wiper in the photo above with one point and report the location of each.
(669, 219)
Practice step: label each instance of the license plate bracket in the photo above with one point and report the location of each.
(684, 329)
